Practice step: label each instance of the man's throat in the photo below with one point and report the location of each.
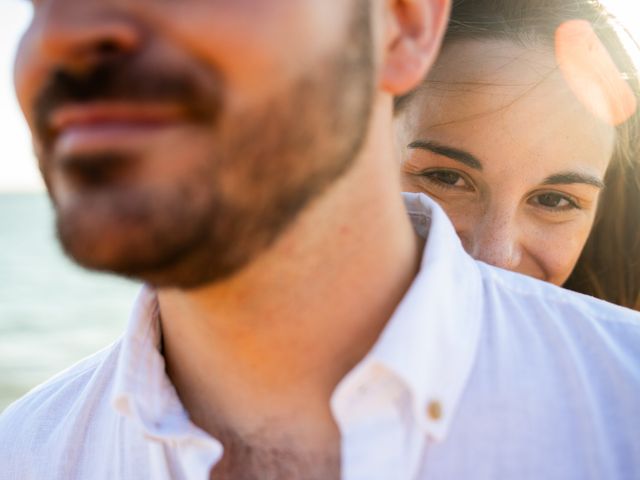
(259, 458)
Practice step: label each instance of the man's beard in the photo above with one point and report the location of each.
(265, 166)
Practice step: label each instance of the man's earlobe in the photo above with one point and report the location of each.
(414, 35)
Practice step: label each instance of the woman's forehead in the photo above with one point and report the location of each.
(492, 63)
(493, 94)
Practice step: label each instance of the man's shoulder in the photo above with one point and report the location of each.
(556, 376)
(559, 303)
(45, 416)
(69, 383)
(566, 328)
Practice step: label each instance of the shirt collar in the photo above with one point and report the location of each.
(430, 342)
(143, 391)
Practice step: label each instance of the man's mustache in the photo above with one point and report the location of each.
(124, 80)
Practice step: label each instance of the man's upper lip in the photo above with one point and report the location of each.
(87, 114)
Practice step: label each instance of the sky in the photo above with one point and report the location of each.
(18, 171)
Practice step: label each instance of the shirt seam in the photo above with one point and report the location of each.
(564, 299)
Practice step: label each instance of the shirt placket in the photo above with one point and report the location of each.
(380, 438)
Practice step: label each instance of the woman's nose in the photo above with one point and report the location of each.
(495, 240)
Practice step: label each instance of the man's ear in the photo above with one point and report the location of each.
(414, 31)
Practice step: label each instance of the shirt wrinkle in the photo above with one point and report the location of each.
(479, 373)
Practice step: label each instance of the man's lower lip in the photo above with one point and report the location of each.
(86, 139)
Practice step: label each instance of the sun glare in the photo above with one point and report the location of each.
(18, 167)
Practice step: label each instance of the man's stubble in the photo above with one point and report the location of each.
(268, 164)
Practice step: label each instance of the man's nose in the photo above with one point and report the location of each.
(496, 241)
(77, 35)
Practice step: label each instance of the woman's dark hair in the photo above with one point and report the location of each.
(609, 266)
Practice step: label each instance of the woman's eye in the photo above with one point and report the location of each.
(554, 201)
(447, 178)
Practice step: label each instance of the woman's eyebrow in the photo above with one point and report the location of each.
(456, 154)
(566, 178)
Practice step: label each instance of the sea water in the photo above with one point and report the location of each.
(52, 313)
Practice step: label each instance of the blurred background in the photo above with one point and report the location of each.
(53, 313)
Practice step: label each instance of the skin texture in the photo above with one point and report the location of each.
(213, 141)
(119, 192)
(497, 137)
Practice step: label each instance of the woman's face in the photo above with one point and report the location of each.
(498, 139)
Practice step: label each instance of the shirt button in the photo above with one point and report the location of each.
(434, 410)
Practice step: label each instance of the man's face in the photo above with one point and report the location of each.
(178, 139)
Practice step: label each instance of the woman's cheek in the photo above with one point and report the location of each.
(464, 220)
(559, 248)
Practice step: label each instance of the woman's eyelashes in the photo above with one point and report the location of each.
(449, 180)
(554, 202)
(446, 179)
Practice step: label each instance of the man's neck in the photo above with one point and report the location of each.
(272, 342)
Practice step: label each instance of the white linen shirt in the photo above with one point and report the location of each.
(480, 374)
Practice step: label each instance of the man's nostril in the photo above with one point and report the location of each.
(107, 48)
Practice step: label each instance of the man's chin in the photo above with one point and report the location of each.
(154, 267)
(107, 249)
(162, 253)
(121, 233)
